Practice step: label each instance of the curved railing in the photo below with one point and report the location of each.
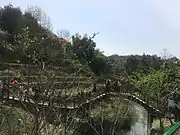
(172, 130)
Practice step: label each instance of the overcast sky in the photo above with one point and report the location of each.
(125, 26)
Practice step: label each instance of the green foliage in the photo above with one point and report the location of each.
(26, 38)
(34, 28)
(115, 116)
(114, 110)
(98, 65)
(11, 19)
(84, 48)
(14, 121)
(160, 81)
(151, 84)
(134, 63)
(32, 41)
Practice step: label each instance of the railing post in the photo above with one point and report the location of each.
(147, 100)
(13, 94)
(157, 102)
(90, 94)
(74, 103)
(1, 90)
(53, 101)
(144, 97)
(6, 89)
(25, 96)
(161, 125)
(79, 99)
(43, 65)
(107, 86)
(94, 87)
(149, 123)
(49, 102)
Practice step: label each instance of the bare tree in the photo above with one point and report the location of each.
(40, 16)
(64, 36)
(165, 54)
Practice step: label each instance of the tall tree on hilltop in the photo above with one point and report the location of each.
(34, 28)
(131, 64)
(10, 19)
(84, 47)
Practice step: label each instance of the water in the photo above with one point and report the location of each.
(139, 127)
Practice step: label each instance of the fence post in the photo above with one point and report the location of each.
(43, 66)
(74, 103)
(94, 87)
(149, 123)
(1, 90)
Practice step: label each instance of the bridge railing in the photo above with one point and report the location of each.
(20, 92)
(151, 100)
(154, 102)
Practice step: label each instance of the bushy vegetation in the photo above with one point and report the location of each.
(113, 117)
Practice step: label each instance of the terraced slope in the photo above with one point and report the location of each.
(53, 79)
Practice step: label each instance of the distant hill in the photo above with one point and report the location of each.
(121, 60)
(133, 62)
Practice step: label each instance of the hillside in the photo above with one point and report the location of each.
(38, 66)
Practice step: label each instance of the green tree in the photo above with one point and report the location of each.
(10, 20)
(34, 28)
(131, 64)
(98, 65)
(84, 48)
(157, 83)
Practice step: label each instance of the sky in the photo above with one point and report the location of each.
(125, 26)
